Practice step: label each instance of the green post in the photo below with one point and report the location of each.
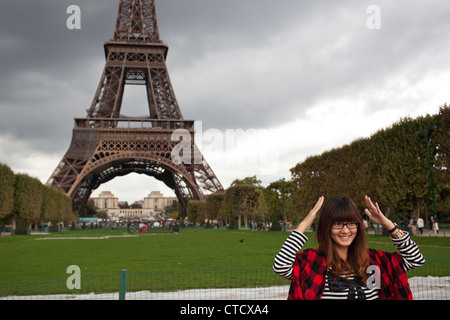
(123, 285)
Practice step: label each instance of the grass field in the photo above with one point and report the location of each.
(46, 257)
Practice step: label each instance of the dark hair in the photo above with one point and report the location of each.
(343, 209)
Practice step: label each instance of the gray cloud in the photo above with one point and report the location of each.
(233, 64)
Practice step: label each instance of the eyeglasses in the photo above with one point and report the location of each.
(340, 225)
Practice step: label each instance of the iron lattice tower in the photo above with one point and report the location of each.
(106, 145)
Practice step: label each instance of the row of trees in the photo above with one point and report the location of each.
(26, 202)
(243, 201)
(390, 166)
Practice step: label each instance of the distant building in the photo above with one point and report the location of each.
(156, 200)
(152, 205)
(105, 201)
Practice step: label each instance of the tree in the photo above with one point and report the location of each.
(170, 209)
(348, 172)
(399, 161)
(215, 205)
(67, 213)
(27, 202)
(196, 211)
(248, 180)
(442, 159)
(50, 205)
(308, 183)
(390, 166)
(56, 207)
(7, 181)
(174, 215)
(340, 171)
(260, 208)
(279, 199)
(245, 201)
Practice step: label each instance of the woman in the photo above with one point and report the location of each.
(342, 267)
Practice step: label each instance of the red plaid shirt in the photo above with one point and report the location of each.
(310, 270)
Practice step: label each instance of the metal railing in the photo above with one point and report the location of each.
(133, 123)
(432, 283)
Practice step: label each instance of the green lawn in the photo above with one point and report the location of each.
(26, 259)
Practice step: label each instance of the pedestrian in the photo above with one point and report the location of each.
(340, 267)
(436, 228)
(433, 226)
(420, 225)
(412, 226)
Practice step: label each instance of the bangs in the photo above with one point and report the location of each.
(344, 212)
(341, 210)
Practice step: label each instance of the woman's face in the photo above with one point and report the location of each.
(343, 233)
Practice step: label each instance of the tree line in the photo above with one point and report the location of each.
(25, 202)
(392, 166)
(244, 201)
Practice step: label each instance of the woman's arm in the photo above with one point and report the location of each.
(411, 255)
(375, 214)
(309, 219)
(285, 259)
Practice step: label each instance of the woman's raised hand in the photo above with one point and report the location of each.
(309, 219)
(375, 214)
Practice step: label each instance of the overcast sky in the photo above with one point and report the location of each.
(269, 82)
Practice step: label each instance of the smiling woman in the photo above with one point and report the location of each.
(344, 249)
(343, 267)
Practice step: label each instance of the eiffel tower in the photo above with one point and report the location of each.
(106, 144)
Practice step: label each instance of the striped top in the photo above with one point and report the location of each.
(339, 288)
